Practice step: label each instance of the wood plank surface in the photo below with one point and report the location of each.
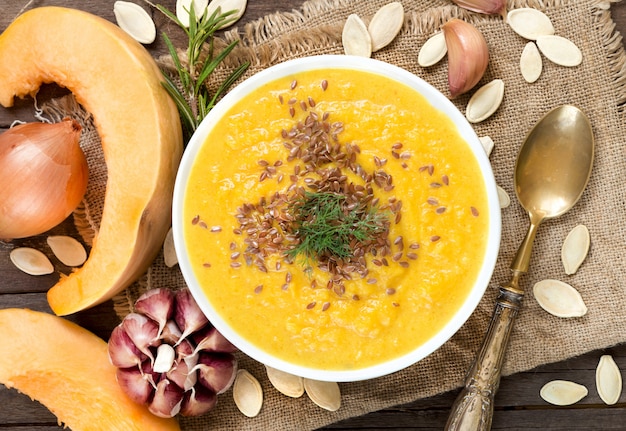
(518, 405)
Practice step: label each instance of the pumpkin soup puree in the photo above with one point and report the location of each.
(395, 205)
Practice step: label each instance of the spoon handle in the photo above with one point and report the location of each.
(473, 408)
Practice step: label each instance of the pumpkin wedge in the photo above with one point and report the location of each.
(119, 83)
(67, 369)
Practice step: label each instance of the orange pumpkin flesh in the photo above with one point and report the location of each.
(119, 83)
(67, 369)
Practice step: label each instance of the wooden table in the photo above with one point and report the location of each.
(518, 405)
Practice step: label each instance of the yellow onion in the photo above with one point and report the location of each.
(43, 177)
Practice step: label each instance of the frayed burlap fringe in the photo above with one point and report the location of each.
(598, 86)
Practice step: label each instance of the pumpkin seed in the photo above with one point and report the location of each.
(503, 197)
(31, 261)
(135, 21)
(487, 143)
(169, 252)
(608, 380)
(560, 50)
(559, 298)
(287, 384)
(247, 393)
(67, 249)
(355, 37)
(327, 395)
(433, 50)
(184, 6)
(529, 23)
(485, 101)
(239, 6)
(530, 62)
(575, 249)
(563, 392)
(386, 24)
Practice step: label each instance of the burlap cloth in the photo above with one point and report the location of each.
(596, 86)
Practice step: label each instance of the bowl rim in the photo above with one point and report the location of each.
(440, 102)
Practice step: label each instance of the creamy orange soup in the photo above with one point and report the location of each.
(424, 181)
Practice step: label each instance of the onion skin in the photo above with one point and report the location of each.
(43, 173)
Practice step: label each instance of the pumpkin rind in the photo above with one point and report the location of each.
(66, 368)
(119, 83)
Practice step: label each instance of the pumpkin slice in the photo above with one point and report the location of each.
(119, 83)
(67, 369)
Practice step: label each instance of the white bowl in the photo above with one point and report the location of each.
(440, 102)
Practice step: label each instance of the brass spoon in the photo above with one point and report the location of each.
(551, 172)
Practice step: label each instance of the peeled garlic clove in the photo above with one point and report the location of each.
(386, 24)
(468, 55)
(530, 23)
(169, 251)
(560, 50)
(485, 101)
(487, 144)
(559, 298)
(433, 50)
(31, 261)
(530, 63)
(238, 6)
(286, 383)
(247, 393)
(503, 197)
(356, 38)
(134, 20)
(67, 249)
(489, 7)
(575, 248)
(563, 392)
(325, 394)
(184, 6)
(608, 380)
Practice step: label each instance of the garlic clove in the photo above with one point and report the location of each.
(197, 401)
(386, 24)
(560, 50)
(237, 7)
(67, 249)
(135, 383)
(529, 23)
(326, 395)
(123, 353)
(171, 332)
(355, 37)
(183, 7)
(181, 373)
(468, 55)
(188, 315)
(135, 21)
(489, 7)
(158, 305)
(608, 380)
(503, 197)
(286, 383)
(530, 63)
(433, 50)
(216, 372)
(575, 248)
(485, 101)
(167, 400)
(247, 394)
(142, 331)
(559, 298)
(487, 144)
(210, 339)
(563, 392)
(31, 261)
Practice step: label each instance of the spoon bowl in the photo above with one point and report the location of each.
(552, 170)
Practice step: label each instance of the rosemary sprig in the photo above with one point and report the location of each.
(194, 101)
(327, 227)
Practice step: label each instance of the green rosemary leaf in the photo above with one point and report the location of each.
(237, 73)
(209, 66)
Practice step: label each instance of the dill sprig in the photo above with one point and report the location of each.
(327, 227)
(194, 101)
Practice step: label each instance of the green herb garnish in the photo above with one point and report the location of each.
(329, 227)
(194, 101)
